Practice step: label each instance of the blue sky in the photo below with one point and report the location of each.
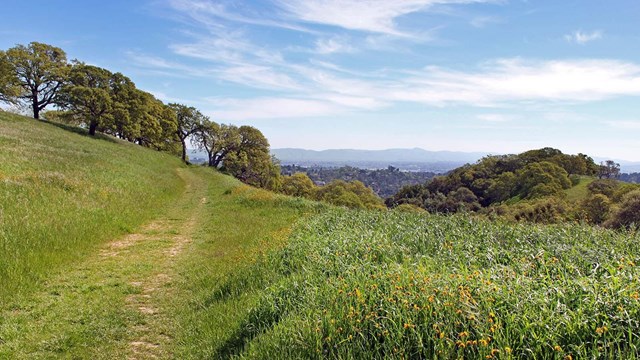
(499, 76)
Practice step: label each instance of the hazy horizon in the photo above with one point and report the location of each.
(493, 76)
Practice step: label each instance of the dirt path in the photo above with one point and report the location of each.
(113, 305)
(151, 340)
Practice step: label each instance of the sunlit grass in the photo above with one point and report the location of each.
(376, 285)
(62, 193)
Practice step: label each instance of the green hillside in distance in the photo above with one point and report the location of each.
(62, 194)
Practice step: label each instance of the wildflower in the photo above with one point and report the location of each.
(483, 342)
(463, 334)
(601, 330)
(557, 348)
(495, 351)
(568, 357)
(507, 350)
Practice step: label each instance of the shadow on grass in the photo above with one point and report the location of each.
(270, 310)
(81, 131)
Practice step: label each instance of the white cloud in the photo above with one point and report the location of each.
(582, 38)
(258, 76)
(496, 118)
(624, 124)
(202, 11)
(511, 80)
(232, 109)
(333, 45)
(378, 16)
(482, 21)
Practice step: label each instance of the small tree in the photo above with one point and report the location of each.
(609, 170)
(596, 208)
(188, 121)
(298, 184)
(629, 212)
(40, 70)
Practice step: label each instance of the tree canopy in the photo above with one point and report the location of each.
(40, 71)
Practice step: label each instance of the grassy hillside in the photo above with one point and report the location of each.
(62, 194)
(395, 285)
(212, 268)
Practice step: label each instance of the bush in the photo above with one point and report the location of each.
(628, 214)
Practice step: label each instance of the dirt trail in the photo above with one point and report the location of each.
(113, 304)
(151, 338)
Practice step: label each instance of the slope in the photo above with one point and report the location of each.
(123, 283)
(62, 194)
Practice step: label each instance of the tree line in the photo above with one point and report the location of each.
(383, 182)
(39, 75)
(530, 186)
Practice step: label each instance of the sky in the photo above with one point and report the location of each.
(496, 76)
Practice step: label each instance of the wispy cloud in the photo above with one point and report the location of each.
(483, 21)
(204, 11)
(580, 37)
(624, 124)
(377, 16)
(496, 118)
(333, 45)
(312, 87)
(511, 80)
(235, 109)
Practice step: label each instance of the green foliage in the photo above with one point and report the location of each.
(547, 210)
(87, 96)
(400, 285)
(352, 194)
(251, 162)
(40, 70)
(298, 184)
(384, 182)
(507, 180)
(596, 208)
(188, 121)
(9, 88)
(628, 214)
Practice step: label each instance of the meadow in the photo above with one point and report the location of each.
(63, 194)
(358, 284)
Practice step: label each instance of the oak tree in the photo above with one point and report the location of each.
(40, 70)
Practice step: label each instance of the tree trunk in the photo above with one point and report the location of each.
(211, 157)
(184, 150)
(34, 104)
(92, 128)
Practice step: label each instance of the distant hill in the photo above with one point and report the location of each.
(415, 159)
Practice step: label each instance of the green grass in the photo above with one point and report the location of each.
(223, 270)
(243, 224)
(396, 285)
(62, 194)
(579, 192)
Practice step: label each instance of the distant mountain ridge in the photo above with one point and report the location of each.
(415, 155)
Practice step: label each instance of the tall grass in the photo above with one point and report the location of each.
(397, 285)
(62, 193)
